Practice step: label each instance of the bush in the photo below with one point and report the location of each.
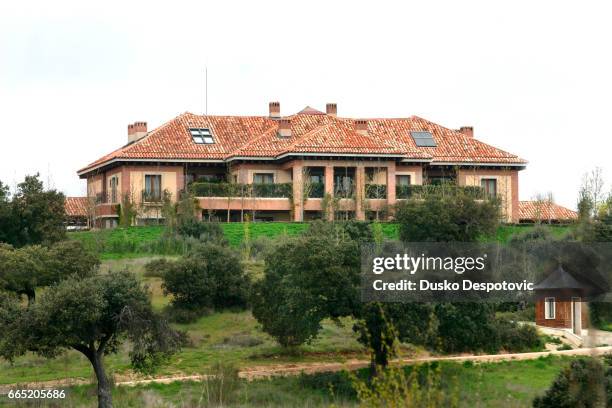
(584, 383)
(210, 276)
(221, 386)
(155, 268)
(457, 218)
(518, 338)
(260, 247)
(466, 327)
(204, 231)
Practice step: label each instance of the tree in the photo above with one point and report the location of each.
(438, 218)
(38, 214)
(127, 210)
(211, 275)
(380, 325)
(307, 279)
(584, 383)
(94, 316)
(466, 327)
(23, 270)
(7, 221)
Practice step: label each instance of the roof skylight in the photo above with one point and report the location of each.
(423, 139)
(201, 135)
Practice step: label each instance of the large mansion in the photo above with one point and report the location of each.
(307, 165)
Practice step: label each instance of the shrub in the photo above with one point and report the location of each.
(221, 386)
(466, 327)
(260, 247)
(518, 338)
(584, 383)
(421, 386)
(210, 276)
(456, 218)
(190, 284)
(205, 231)
(155, 268)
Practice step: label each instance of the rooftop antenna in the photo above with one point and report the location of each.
(206, 90)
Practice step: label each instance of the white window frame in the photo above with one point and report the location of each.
(547, 308)
(202, 136)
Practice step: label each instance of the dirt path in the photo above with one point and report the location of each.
(253, 373)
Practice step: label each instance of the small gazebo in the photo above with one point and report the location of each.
(561, 301)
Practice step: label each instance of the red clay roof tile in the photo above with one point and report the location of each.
(544, 211)
(312, 131)
(76, 206)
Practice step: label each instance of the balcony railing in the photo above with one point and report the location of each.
(376, 191)
(316, 190)
(271, 190)
(420, 191)
(102, 198)
(152, 197)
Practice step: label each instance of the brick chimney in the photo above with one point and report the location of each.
(136, 131)
(331, 109)
(361, 126)
(467, 130)
(274, 110)
(284, 127)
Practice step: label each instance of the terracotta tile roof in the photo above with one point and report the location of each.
(76, 206)
(312, 131)
(310, 111)
(544, 211)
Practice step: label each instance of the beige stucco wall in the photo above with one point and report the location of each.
(415, 173)
(94, 185)
(377, 176)
(507, 187)
(244, 172)
(168, 182)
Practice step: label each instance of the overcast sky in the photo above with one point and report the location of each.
(532, 77)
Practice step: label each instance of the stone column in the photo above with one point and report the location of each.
(298, 190)
(359, 192)
(329, 190)
(391, 188)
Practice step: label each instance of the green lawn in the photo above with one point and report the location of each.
(132, 242)
(504, 384)
(229, 337)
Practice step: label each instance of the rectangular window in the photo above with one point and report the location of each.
(201, 136)
(402, 180)
(489, 186)
(263, 178)
(549, 308)
(152, 187)
(114, 183)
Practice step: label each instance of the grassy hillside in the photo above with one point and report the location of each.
(143, 241)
